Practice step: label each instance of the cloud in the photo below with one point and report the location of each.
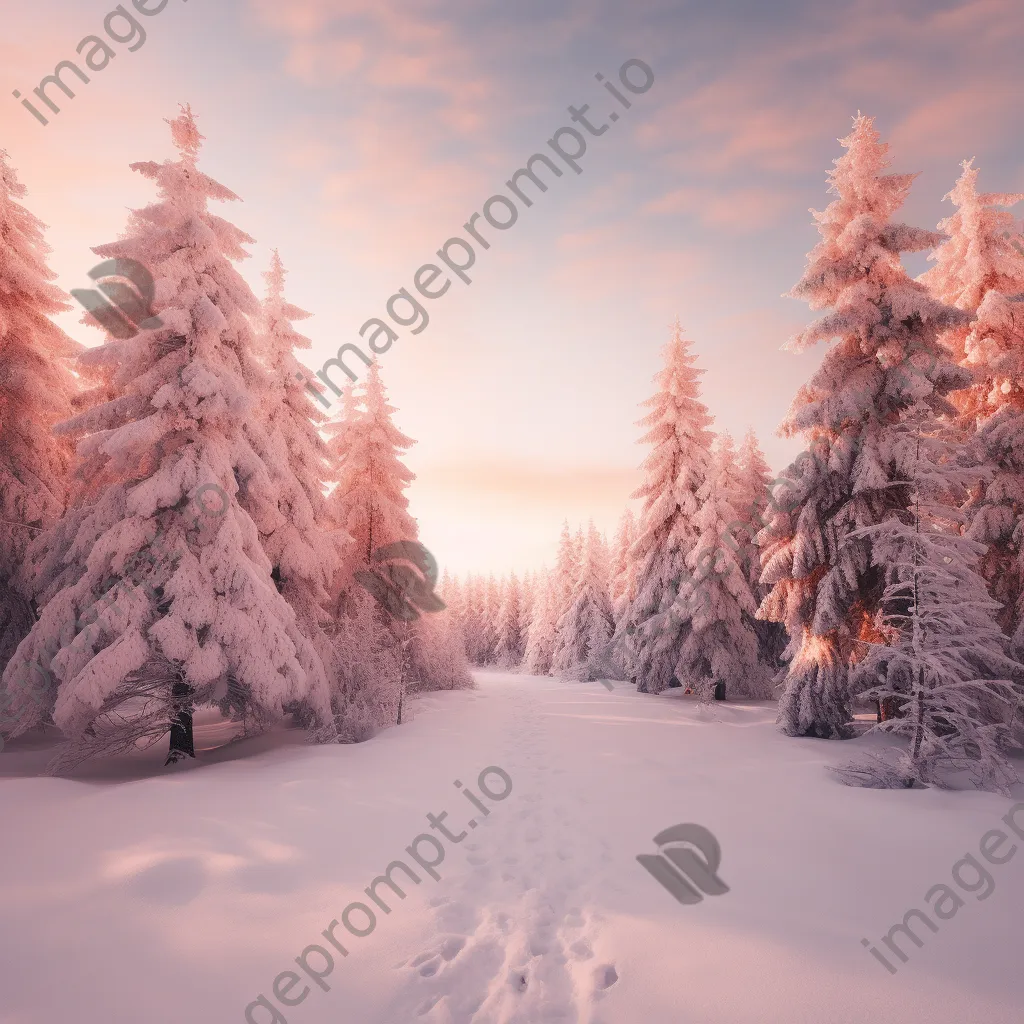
(743, 209)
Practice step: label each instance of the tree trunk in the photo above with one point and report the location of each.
(182, 741)
(919, 724)
(892, 707)
(719, 691)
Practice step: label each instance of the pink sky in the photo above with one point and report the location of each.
(360, 135)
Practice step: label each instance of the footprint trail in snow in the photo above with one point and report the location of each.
(514, 940)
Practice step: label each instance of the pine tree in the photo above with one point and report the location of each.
(585, 628)
(157, 607)
(676, 469)
(623, 580)
(476, 623)
(37, 389)
(540, 643)
(564, 582)
(980, 270)
(509, 648)
(453, 594)
(751, 498)
(526, 610)
(944, 663)
(304, 547)
(748, 493)
(825, 587)
(720, 647)
(369, 503)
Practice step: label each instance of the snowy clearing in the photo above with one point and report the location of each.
(187, 893)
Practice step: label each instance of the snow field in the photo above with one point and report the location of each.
(130, 893)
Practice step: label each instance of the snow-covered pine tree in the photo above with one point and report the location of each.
(623, 581)
(720, 651)
(449, 591)
(747, 491)
(201, 619)
(585, 628)
(980, 270)
(37, 389)
(526, 610)
(944, 664)
(676, 469)
(564, 580)
(751, 501)
(825, 587)
(492, 607)
(476, 615)
(453, 593)
(509, 648)
(305, 548)
(369, 503)
(540, 642)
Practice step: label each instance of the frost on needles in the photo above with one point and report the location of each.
(939, 662)
(825, 586)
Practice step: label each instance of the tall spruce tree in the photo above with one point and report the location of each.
(751, 498)
(37, 389)
(585, 628)
(369, 503)
(510, 645)
(622, 572)
(305, 547)
(540, 642)
(157, 605)
(943, 664)
(826, 588)
(676, 469)
(720, 651)
(980, 269)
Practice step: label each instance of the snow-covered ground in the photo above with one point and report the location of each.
(131, 894)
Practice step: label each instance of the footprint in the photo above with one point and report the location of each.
(452, 946)
(426, 1007)
(605, 976)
